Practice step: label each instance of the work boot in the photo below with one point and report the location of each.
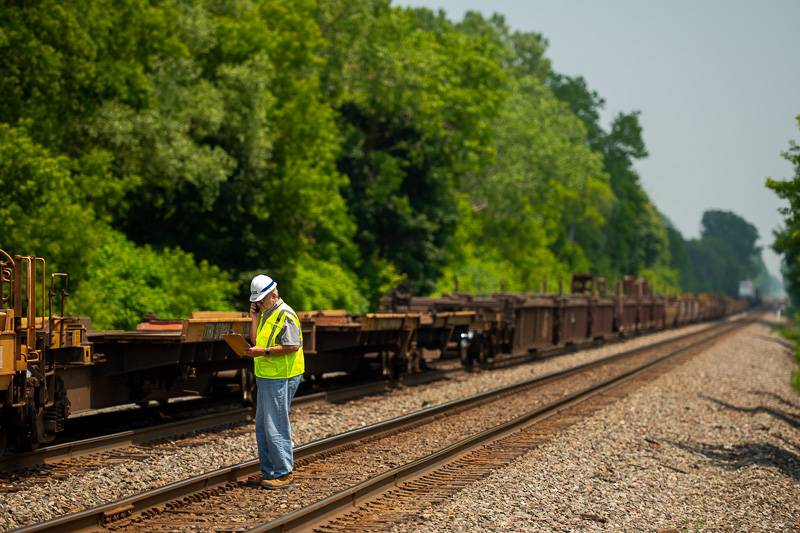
(283, 482)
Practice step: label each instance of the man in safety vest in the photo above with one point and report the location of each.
(278, 357)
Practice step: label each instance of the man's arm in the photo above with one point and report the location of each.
(280, 349)
(290, 342)
(275, 350)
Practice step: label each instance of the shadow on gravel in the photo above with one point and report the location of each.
(791, 419)
(776, 397)
(771, 324)
(781, 342)
(744, 455)
(787, 441)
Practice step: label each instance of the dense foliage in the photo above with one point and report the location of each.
(635, 238)
(164, 152)
(787, 243)
(725, 254)
(787, 239)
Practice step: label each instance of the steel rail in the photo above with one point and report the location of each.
(103, 443)
(78, 448)
(96, 517)
(323, 510)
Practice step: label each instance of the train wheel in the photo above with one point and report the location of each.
(4, 438)
(46, 423)
(392, 366)
(40, 431)
(412, 364)
(249, 387)
(398, 365)
(463, 355)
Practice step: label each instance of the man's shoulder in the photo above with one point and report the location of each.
(288, 309)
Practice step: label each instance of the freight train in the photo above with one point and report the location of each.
(53, 365)
(513, 326)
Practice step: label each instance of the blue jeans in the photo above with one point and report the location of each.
(273, 430)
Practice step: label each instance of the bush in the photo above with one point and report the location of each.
(791, 332)
(326, 285)
(124, 283)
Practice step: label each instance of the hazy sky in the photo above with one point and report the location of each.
(717, 82)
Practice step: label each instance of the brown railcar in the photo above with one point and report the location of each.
(443, 321)
(601, 308)
(671, 311)
(602, 316)
(573, 324)
(337, 342)
(533, 323)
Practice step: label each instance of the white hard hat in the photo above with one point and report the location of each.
(261, 286)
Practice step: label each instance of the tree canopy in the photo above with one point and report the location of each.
(725, 254)
(164, 153)
(787, 238)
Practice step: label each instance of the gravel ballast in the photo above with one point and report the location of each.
(28, 501)
(239, 507)
(713, 445)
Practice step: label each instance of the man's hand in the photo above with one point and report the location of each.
(255, 351)
(254, 312)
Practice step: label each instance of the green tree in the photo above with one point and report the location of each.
(204, 118)
(124, 283)
(787, 238)
(725, 254)
(340, 146)
(531, 203)
(525, 213)
(416, 99)
(45, 206)
(679, 257)
(636, 238)
(237, 148)
(41, 207)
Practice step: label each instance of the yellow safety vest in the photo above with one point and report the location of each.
(278, 366)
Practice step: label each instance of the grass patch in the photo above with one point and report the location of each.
(791, 332)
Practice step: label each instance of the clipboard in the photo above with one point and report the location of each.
(237, 343)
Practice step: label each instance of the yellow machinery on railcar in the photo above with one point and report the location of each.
(35, 344)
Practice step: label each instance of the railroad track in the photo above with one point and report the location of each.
(333, 473)
(93, 448)
(102, 449)
(97, 448)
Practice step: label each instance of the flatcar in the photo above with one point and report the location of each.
(52, 365)
(39, 352)
(335, 342)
